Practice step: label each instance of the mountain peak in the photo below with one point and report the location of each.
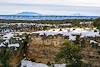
(29, 13)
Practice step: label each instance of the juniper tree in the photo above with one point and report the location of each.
(69, 54)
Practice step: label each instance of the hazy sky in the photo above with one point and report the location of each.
(54, 7)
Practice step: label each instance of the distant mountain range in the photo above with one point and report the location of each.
(29, 14)
(37, 16)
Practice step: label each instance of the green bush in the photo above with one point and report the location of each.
(69, 54)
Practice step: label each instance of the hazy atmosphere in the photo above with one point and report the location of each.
(51, 7)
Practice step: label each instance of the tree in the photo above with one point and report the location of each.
(4, 57)
(97, 23)
(25, 42)
(69, 54)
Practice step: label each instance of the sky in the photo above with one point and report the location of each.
(51, 7)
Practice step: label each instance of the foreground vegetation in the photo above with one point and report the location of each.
(69, 53)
